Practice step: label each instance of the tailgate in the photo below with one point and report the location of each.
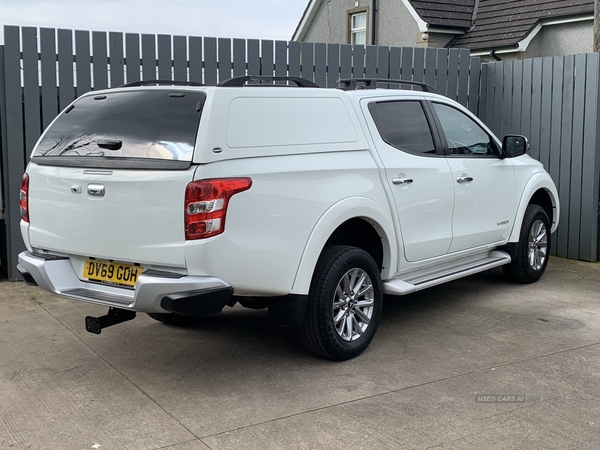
(123, 215)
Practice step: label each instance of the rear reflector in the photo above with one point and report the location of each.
(206, 203)
(24, 198)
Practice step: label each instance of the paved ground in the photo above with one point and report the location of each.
(236, 382)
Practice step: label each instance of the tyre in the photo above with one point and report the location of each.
(344, 304)
(531, 253)
(175, 319)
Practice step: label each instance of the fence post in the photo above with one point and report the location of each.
(3, 147)
(14, 156)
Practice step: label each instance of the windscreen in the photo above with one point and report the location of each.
(143, 124)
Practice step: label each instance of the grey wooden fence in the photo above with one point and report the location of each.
(43, 70)
(554, 101)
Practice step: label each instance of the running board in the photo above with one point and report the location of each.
(442, 273)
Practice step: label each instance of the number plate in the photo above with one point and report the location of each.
(111, 272)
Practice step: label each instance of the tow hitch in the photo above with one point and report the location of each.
(114, 316)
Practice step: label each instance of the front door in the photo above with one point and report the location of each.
(484, 183)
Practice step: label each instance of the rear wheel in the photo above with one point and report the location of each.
(531, 254)
(344, 304)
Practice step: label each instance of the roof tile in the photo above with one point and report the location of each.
(503, 23)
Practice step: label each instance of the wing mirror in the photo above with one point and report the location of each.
(514, 145)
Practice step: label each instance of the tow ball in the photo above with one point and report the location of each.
(114, 316)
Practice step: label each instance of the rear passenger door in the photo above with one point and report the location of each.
(484, 183)
(417, 173)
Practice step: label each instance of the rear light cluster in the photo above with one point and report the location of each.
(24, 198)
(206, 204)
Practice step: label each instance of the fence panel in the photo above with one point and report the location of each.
(83, 64)
(239, 57)
(14, 156)
(196, 59)
(333, 65)
(430, 66)
(473, 97)
(406, 68)
(148, 57)
(419, 64)
(590, 179)
(117, 60)
(306, 60)
(253, 57)
(281, 59)
(576, 157)
(441, 79)
(345, 61)
(320, 76)
(31, 89)
(66, 83)
(267, 58)
(164, 57)
(225, 61)
(555, 133)
(180, 65)
(100, 59)
(517, 95)
(358, 61)
(463, 76)
(557, 101)
(210, 61)
(564, 180)
(48, 76)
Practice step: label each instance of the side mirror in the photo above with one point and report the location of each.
(514, 145)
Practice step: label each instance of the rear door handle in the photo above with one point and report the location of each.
(402, 180)
(96, 190)
(464, 179)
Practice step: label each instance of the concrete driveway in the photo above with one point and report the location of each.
(529, 353)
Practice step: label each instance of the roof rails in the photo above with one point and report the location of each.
(351, 84)
(241, 81)
(162, 83)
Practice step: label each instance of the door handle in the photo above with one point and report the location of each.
(402, 180)
(464, 179)
(96, 190)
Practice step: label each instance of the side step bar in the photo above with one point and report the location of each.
(453, 270)
(114, 316)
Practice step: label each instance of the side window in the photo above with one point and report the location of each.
(464, 136)
(403, 125)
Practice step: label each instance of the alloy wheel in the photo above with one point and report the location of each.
(353, 305)
(537, 245)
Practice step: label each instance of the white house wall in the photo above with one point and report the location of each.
(562, 39)
(329, 24)
(395, 25)
(570, 38)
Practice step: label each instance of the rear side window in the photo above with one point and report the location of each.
(150, 124)
(403, 125)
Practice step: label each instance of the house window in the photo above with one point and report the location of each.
(358, 28)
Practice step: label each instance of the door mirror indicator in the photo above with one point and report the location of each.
(514, 145)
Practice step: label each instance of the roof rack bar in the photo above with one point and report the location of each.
(241, 81)
(351, 84)
(162, 83)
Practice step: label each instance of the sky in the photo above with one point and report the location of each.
(264, 19)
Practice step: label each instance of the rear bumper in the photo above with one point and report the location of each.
(155, 292)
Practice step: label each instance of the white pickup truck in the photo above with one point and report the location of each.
(176, 199)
